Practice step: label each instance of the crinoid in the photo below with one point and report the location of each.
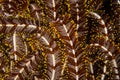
(59, 40)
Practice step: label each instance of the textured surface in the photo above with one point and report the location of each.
(59, 40)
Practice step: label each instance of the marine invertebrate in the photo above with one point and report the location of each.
(59, 39)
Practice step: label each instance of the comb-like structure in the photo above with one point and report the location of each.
(59, 40)
(54, 66)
